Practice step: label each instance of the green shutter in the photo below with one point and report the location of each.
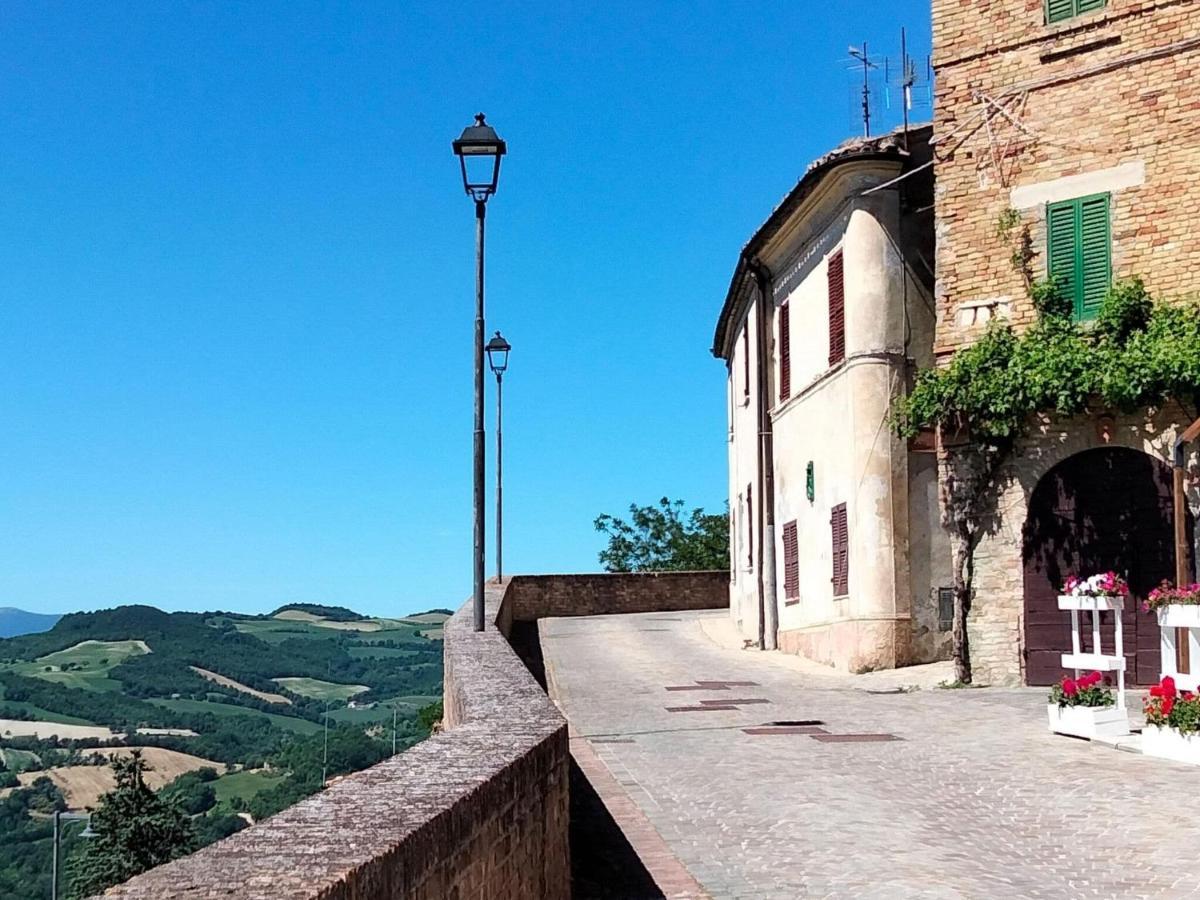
(1079, 251)
(1095, 251)
(1058, 10)
(1061, 240)
(1083, 6)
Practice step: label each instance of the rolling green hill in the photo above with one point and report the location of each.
(284, 680)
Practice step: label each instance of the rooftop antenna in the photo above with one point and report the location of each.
(867, 66)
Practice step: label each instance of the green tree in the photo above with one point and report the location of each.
(665, 538)
(135, 830)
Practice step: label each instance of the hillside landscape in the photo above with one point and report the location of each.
(237, 716)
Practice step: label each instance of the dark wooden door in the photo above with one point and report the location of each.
(1101, 510)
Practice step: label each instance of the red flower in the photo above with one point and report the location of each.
(1069, 687)
(1168, 687)
(1168, 704)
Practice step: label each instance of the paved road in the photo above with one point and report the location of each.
(976, 799)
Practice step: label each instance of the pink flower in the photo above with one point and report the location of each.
(1069, 687)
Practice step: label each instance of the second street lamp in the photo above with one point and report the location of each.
(497, 353)
(479, 149)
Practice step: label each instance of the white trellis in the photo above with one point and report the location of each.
(1096, 660)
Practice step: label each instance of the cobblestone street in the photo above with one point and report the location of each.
(973, 798)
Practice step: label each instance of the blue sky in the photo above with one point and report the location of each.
(236, 276)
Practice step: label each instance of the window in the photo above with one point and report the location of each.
(1061, 10)
(840, 531)
(1079, 250)
(945, 597)
(749, 527)
(791, 562)
(837, 309)
(785, 354)
(746, 362)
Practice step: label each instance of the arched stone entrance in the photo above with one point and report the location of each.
(1099, 510)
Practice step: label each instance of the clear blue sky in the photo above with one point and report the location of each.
(236, 276)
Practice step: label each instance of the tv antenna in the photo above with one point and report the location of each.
(867, 66)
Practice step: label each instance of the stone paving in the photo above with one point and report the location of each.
(975, 799)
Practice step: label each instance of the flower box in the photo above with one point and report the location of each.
(1168, 743)
(1102, 603)
(1179, 616)
(1088, 721)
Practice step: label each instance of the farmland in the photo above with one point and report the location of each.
(246, 696)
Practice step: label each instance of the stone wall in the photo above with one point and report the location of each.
(479, 811)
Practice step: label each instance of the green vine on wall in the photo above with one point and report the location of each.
(1137, 353)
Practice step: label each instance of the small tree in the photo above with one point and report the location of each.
(135, 830)
(663, 539)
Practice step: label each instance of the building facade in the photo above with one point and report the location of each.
(1066, 135)
(836, 551)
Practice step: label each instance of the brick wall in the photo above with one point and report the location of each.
(1108, 89)
(479, 811)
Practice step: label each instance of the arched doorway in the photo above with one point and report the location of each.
(1100, 510)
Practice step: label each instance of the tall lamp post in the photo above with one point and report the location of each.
(479, 149)
(59, 819)
(497, 352)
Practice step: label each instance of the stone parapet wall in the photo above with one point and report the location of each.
(544, 596)
(480, 810)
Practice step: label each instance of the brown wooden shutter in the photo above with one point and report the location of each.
(791, 561)
(746, 360)
(750, 525)
(837, 309)
(785, 354)
(840, 531)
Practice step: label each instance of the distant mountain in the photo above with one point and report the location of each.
(15, 621)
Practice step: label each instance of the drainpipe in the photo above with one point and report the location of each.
(768, 620)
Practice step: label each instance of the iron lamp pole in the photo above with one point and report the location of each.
(479, 150)
(59, 819)
(497, 353)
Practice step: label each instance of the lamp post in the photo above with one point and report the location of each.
(59, 818)
(497, 352)
(479, 149)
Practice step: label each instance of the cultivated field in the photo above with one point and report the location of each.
(238, 686)
(20, 728)
(85, 665)
(288, 723)
(320, 690)
(82, 786)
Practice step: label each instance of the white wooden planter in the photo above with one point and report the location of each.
(1088, 721)
(1186, 617)
(1168, 743)
(1095, 660)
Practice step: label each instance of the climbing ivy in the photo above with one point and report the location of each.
(1137, 353)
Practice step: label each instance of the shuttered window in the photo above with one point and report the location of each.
(746, 360)
(839, 528)
(791, 562)
(1061, 10)
(785, 354)
(1079, 251)
(749, 526)
(837, 310)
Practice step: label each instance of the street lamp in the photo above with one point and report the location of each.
(479, 149)
(59, 819)
(497, 352)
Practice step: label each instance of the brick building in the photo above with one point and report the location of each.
(1067, 132)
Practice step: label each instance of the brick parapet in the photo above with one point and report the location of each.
(480, 810)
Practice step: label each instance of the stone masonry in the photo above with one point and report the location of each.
(1028, 113)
